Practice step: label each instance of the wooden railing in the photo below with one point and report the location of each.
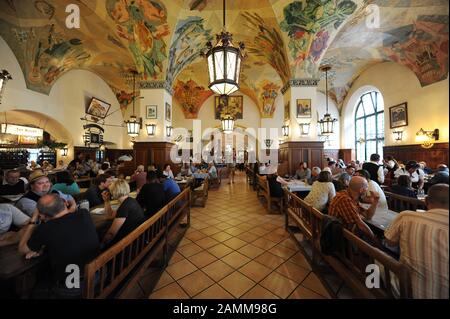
(106, 272)
(351, 261)
(399, 203)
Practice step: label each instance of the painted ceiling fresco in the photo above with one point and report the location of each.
(284, 39)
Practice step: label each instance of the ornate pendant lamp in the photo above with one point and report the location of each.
(133, 124)
(224, 62)
(227, 119)
(327, 122)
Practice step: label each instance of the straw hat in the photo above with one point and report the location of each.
(35, 175)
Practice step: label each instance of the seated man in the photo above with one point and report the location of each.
(151, 197)
(39, 186)
(10, 215)
(139, 176)
(171, 188)
(314, 175)
(423, 240)
(441, 176)
(94, 193)
(68, 238)
(345, 206)
(13, 183)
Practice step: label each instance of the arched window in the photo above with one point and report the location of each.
(369, 126)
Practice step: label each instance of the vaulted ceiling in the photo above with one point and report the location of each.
(284, 39)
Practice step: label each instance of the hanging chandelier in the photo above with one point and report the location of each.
(224, 62)
(227, 119)
(327, 122)
(133, 124)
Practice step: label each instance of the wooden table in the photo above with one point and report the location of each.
(382, 219)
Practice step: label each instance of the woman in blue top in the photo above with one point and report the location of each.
(66, 184)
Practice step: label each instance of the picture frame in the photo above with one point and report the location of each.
(287, 111)
(98, 108)
(303, 108)
(152, 112)
(168, 112)
(235, 106)
(398, 115)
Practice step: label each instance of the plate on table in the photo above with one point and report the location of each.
(98, 211)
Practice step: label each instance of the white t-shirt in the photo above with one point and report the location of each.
(414, 176)
(10, 215)
(382, 202)
(321, 193)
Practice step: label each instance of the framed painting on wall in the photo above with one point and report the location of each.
(287, 111)
(152, 112)
(235, 106)
(98, 108)
(168, 112)
(398, 115)
(303, 108)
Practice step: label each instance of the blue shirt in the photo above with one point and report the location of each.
(171, 189)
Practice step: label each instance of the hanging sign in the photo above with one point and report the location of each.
(21, 130)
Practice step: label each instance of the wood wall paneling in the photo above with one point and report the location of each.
(438, 154)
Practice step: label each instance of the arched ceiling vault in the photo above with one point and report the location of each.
(284, 39)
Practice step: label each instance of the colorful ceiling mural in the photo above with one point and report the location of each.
(191, 97)
(284, 39)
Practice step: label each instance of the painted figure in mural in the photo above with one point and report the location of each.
(53, 55)
(143, 23)
(308, 25)
(268, 97)
(191, 96)
(422, 47)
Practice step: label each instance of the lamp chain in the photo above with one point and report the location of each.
(134, 90)
(326, 88)
(224, 14)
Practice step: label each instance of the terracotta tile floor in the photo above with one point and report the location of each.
(244, 252)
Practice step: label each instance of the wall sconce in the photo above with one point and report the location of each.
(285, 130)
(398, 135)
(304, 128)
(169, 131)
(280, 141)
(64, 151)
(427, 138)
(151, 129)
(4, 77)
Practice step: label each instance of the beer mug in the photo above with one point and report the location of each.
(84, 204)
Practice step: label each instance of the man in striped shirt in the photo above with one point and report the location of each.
(423, 241)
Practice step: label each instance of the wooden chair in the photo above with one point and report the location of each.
(399, 203)
(263, 190)
(200, 193)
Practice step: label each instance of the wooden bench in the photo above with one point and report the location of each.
(351, 262)
(110, 272)
(263, 190)
(200, 193)
(399, 203)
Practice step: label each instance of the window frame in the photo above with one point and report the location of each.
(376, 112)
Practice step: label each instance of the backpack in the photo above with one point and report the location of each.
(331, 238)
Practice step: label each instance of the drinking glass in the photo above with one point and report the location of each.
(420, 194)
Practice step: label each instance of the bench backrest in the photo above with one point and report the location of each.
(301, 212)
(399, 203)
(357, 256)
(106, 272)
(263, 183)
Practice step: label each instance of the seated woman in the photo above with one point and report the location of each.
(303, 172)
(128, 216)
(168, 172)
(212, 170)
(322, 192)
(65, 183)
(403, 187)
(275, 183)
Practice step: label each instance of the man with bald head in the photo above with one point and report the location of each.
(423, 241)
(345, 206)
(68, 238)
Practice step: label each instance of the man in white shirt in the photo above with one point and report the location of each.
(375, 170)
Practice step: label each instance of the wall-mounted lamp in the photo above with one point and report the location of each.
(169, 131)
(280, 141)
(151, 129)
(64, 151)
(398, 135)
(427, 138)
(304, 128)
(4, 77)
(285, 130)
